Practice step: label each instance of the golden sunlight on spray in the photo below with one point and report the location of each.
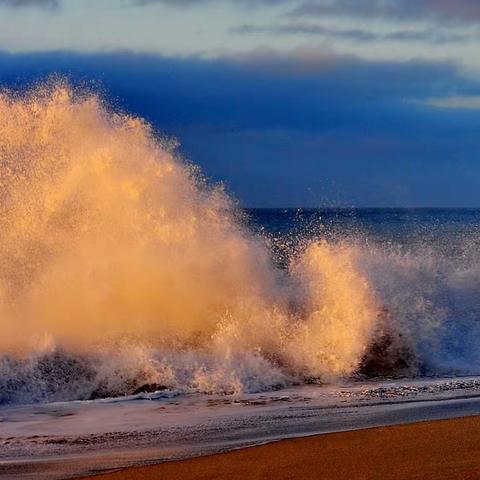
(343, 311)
(106, 236)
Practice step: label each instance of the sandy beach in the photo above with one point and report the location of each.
(434, 450)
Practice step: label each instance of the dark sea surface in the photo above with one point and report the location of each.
(447, 231)
(384, 222)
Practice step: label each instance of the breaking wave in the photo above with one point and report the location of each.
(122, 270)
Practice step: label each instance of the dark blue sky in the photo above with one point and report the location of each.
(303, 126)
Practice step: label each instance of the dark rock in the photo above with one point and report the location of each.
(150, 388)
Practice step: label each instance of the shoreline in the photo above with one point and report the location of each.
(434, 449)
(74, 439)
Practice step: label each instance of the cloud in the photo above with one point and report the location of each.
(172, 3)
(191, 3)
(306, 29)
(297, 62)
(456, 102)
(30, 3)
(431, 36)
(304, 88)
(360, 35)
(299, 129)
(445, 10)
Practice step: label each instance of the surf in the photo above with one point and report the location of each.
(122, 268)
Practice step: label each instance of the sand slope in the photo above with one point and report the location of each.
(447, 449)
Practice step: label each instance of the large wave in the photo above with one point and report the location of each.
(122, 269)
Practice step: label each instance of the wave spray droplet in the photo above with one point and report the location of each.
(120, 267)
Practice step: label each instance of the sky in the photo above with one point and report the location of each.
(290, 103)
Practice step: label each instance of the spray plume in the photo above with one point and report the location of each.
(119, 266)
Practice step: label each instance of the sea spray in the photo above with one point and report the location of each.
(120, 267)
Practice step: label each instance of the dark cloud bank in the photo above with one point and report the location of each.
(304, 130)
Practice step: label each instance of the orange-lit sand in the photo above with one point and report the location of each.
(447, 449)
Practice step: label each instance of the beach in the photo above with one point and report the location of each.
(434, 450)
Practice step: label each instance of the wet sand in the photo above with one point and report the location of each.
(445, 449)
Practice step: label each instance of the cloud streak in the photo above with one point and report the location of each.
(361, 35)
(456, 102)
(444, 10)
(192, 3)
(30, 3)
